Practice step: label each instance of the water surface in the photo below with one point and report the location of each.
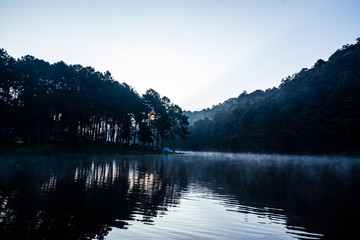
(187, 196)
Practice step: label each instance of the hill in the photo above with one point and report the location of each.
(231, 104)
(316, 110)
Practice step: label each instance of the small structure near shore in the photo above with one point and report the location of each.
(166, 149)
(17, 140)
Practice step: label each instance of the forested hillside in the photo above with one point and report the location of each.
(42, 102)
(229, 105)
(316, 110)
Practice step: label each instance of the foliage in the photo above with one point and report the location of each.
(42, 102)
(316, 110)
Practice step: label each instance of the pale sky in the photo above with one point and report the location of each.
(198, 53)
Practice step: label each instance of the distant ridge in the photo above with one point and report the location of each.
(316, 110)
(229, 105)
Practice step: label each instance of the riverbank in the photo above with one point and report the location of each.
(56, 149)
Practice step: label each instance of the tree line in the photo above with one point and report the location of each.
(42, 102)
(316, 110)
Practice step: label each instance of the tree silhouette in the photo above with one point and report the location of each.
(75, 104)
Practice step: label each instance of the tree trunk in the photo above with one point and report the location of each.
(38, 131)
(135, 134)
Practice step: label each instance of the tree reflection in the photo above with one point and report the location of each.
(84, 197)
(320, 194)
(80, 198)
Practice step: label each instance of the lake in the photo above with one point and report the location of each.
(182, 196)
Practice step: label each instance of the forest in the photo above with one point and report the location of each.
(314, 111)
(42, 103)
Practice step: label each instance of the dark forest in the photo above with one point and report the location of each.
(316, 110)
(43, 103)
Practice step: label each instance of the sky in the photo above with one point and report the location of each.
(198, 53)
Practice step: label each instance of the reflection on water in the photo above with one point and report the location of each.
(100, 175)
(190, 196)
(149, 183)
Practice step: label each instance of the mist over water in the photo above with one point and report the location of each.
(186, 196)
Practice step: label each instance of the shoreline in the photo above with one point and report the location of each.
(54, 149)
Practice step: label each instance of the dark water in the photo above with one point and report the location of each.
(190, 196)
